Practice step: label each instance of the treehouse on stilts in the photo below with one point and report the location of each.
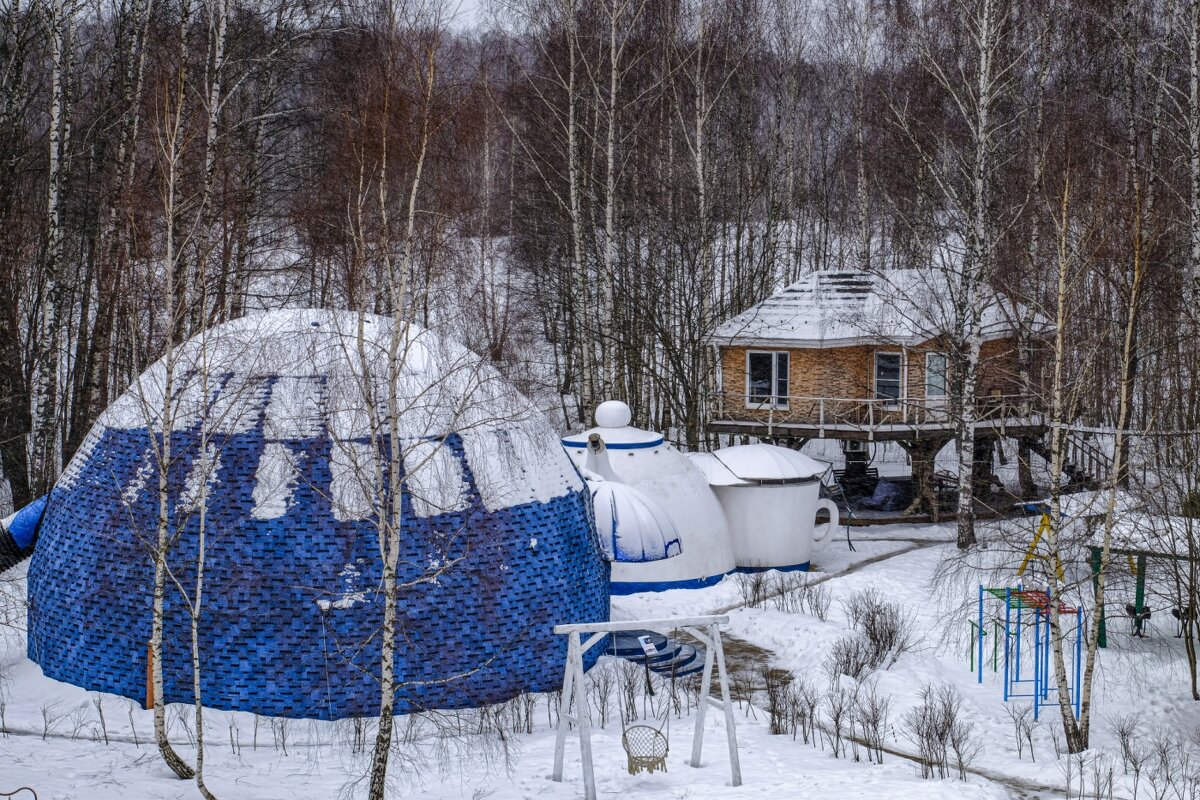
(866, 358)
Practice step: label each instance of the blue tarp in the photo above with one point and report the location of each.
(24, 526)
(889, 496)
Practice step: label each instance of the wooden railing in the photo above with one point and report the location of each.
(872, 412)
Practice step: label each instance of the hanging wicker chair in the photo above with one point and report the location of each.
(646, 747)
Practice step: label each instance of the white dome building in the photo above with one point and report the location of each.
(279, 432)
(644, 461)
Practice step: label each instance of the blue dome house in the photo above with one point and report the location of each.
(276, 434)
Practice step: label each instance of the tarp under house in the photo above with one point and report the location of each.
(275, 429)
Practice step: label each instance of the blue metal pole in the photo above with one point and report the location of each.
(1037, 653)
(979, 635)
(1046, 634)
(1037, 661)
(1007, 640)
(1017, 671)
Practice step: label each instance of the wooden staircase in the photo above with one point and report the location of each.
(1086, 465)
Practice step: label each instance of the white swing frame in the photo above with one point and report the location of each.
(706, 630)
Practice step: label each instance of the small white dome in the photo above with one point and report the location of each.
(613, 414)
(632, 526)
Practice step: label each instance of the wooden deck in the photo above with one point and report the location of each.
(868, 419)
(889, 432)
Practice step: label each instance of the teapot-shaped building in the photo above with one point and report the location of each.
(645, 461)
(745, 508)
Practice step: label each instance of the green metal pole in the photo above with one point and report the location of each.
(1139, 593)
(1102, 635)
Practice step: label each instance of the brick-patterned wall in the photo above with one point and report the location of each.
(848, 372)
(271, 640)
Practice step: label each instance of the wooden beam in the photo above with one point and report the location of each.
(659, 625)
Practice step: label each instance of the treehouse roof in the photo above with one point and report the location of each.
(842, 308)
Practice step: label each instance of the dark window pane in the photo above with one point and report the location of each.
(887, 391)
(781, 377)
(887, 376)
(760, 377)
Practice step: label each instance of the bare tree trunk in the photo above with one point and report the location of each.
(1058, 423)
(114, 245)
(44, 464)
(197, 600)
(390, 523)
(1120, 456)
(171, 141)
(215, 71)
(584, 332)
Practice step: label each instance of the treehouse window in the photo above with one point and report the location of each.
(888, 377)
(767, 379)
(935, 374)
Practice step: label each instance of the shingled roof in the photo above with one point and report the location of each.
(838, 308)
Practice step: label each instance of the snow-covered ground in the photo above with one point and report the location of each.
(54, 741)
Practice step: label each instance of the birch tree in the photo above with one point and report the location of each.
(975, 81)
(20, 32)
(161, 413)
(410, 45)
(46, 449)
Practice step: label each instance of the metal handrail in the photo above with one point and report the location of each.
(865, 412)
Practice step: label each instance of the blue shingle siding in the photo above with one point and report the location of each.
(479, 634)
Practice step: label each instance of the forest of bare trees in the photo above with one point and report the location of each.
(581, 190)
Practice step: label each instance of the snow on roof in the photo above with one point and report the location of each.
(305, 373)
(835, 308)
(751, 464)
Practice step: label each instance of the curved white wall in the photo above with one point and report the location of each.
(667, 476)
(771, 526)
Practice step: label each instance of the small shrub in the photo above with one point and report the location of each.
(889, 629)
(1023, 728)
(943, 740)
(871, 714)
(753, 588)
(850, 656)
(781, 702)
(838, 706)
(818, 598)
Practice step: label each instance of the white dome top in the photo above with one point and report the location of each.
(612, 423)
(750, 464)
(613, 414)
(305, 373)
